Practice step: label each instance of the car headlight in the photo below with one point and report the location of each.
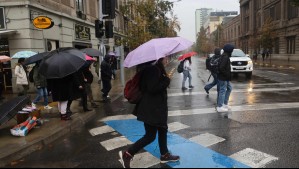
(250, 62)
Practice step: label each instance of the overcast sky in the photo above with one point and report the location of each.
(185, 11)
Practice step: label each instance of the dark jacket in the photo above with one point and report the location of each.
(106, 71)
(39, 80)
(225, 68)
(66, 88)
(153, 107)
(87, 75)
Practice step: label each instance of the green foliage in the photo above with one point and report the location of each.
(148, 19)
(295, 2)
(203, 43)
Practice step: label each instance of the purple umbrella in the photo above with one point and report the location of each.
(156, 49)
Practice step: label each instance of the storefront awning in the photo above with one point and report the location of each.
(7, 32)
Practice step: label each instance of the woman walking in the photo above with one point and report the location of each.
(152, 110)
(21, 74)
(187, 73)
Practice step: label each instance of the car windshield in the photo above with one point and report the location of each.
(238, 53)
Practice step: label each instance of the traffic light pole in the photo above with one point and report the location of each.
(102, 46)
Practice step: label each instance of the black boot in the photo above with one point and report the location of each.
(65, 117)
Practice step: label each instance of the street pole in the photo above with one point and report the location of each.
(122, 69)
(102, 46)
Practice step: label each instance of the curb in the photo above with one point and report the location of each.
(77, 121)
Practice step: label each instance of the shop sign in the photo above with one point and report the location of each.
(2, 19)
(43, 22)
(82, 32)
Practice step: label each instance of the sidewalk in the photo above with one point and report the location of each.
(15, 148)
(281, 64)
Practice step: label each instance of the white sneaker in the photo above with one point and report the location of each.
(48, 107)
(221, 109)
(33, 105)
(227, 107)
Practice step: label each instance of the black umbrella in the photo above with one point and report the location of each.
(62, 62)
(36, 58)
(92, 52)
(9, 109)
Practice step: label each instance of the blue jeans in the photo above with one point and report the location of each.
(42, 92)
(208, 87)
(187, 74)
(225, 90)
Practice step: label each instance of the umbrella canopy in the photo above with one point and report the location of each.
(62, 62)
(154, 50)
(187, 55)
(4, 59)
(23, 54)
(92, 52)
(184, 44)
(9, 109)
(35, 58)
(88, 58)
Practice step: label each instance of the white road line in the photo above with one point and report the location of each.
(207, 139)
(101, 130)
(253, 158)
(242, 108)
(278, 73)
(236, 91)
(260, 85)
(176, 126)
(144, 160)
(115, 143)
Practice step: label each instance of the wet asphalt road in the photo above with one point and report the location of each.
(266, 120)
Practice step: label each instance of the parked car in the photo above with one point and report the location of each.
(241, 63)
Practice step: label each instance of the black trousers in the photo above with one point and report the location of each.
(149, 137)
(106, 87)
(83, 99)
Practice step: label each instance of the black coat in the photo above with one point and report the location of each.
(225, 68)
(153, 107)
(66, 88)
(106, 71)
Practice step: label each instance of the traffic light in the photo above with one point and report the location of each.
(108, 8)
(99, 25)
(109, 29)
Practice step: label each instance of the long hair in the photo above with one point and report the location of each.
(161, 66)
(189, 59)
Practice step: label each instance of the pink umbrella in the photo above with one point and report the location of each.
(156, 49)
(88, 58)
(4, 59)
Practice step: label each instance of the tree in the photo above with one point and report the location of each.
(148, 20)
(203, 43)
(267, 34)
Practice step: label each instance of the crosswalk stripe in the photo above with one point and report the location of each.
(251, 90)
(176, 126)
(254, 158)
(101, 130)
(192, 155)
(115, 143)
(207, 139)
(241, 108)
(144, 160)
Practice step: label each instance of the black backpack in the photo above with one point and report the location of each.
(181, 67)
(214, 64)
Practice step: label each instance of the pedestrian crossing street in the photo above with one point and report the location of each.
(194, 151)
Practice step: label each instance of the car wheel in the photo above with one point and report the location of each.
(249, 75)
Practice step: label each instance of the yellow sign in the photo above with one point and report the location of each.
(43, 22)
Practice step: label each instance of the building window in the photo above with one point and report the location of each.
(291, 45)
(80, 5)
(292, 11)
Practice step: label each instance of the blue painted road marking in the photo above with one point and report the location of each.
(192, 155)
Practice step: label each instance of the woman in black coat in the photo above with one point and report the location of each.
(64, 89)
(153, 111)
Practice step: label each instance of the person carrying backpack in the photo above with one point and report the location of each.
(224, 78)
(152, 110)
(187, 73)
(212, 66)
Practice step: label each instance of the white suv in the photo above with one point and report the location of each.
(241, 63)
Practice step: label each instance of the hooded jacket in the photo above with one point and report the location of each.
(106, 71)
